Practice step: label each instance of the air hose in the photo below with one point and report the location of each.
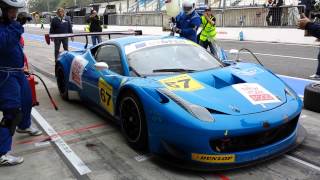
(256, 58)
(46, 88)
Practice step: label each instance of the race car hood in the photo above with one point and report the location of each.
(235, 90)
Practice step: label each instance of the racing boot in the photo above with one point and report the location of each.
(8, 160)
(31, 131)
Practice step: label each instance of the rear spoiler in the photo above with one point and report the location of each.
(109, 33)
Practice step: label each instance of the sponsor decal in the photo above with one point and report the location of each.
(248, 72)
(227, 158)
(255, 93)
(182, 82)
(105, 91)
(151, 43)
(77, 67)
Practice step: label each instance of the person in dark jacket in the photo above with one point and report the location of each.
(95, 26)
(314, 30)
(275, 12)
(308, 5)
(188, 21)
(60, 24)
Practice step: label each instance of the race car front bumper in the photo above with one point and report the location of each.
(207, 162)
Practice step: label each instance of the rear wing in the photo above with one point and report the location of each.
(109, 33)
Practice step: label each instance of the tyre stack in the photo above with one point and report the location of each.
(312, 97)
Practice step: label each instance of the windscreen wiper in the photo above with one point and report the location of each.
(174, 70)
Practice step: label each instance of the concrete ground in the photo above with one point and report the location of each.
(100, 145)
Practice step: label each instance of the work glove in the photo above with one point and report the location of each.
(178, 30)
(23, 17)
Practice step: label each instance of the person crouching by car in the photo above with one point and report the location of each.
(208, 32)
(60, 24)
(95, 26)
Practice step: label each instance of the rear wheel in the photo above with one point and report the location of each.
(133, 121)
(62, 83)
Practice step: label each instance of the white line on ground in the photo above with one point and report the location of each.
(73, 160)
(42, 144)
(291, 77)
(283, 56)
(303, 162)
(303, 116)
(143, 157)
(263, 42)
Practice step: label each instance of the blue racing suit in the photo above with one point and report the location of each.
(12, 81)
(189, 25)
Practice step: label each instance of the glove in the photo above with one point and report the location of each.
(23, 17)
(173, 20)
(178, 30)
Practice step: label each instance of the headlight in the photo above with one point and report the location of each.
(290, 92)
(195, 110)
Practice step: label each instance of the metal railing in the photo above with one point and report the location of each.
(283, 16)
(139, 19)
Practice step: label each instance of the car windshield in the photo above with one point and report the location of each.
(173, 58)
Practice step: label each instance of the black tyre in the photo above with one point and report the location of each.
(133, 121)
(61, 81)
(312, 97)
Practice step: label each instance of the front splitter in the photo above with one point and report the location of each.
(183, 164)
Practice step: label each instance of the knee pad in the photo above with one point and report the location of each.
(11, 119)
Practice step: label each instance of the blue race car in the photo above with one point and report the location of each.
(175, 99)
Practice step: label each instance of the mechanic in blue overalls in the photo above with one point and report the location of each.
(188, 21)
(13, 83)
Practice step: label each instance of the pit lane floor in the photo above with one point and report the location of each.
(99, 144)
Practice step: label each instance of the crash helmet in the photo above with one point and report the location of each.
(317, 5)
(188, 6)
(207, 8)
(12, 3)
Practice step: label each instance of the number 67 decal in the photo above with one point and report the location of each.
(105, 92)
(181, 83)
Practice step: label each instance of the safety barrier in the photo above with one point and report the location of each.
(79, 20)
(285, 16)
(139, 19)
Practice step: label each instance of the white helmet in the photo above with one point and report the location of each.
(188, 7)
(12, 3)
(317, 5)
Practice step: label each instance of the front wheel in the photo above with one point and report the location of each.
(133, 121)
(62, 83)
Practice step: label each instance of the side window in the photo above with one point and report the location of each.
(111, 55)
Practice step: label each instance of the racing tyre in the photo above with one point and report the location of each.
(61, 81)
(133, 122)
(312, 97)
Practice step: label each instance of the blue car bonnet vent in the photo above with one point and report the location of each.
(221, 82)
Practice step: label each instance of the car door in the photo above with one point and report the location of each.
(103, 85)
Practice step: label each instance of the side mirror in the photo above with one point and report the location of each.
(235, 52)
(101, 66)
